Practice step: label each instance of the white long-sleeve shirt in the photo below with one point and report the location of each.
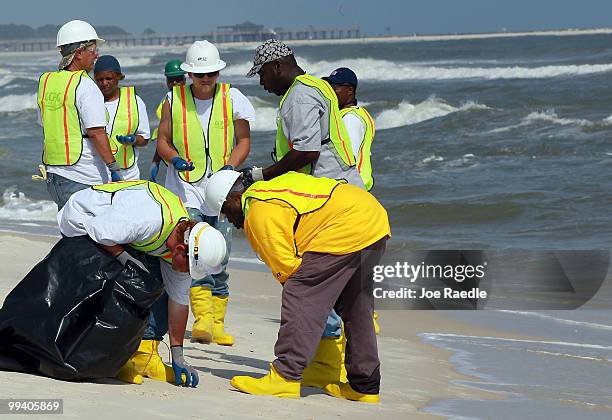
(117, 219)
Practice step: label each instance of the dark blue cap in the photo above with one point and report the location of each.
(107, 63)
(342, 76)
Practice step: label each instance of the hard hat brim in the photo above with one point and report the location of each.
(174, 73)
(98, 40)
(191, 68)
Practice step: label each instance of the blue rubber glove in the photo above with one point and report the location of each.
(116, 176)
(181, 367)
(153, 171)
(227, 168)
(181, 164)
(128, 140)
(115, 171)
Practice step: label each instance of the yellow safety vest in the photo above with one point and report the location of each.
(63, 136)
(337, 131)
(304, 193)
(124, 123)
(172, 211)
(364, 165)
(158, 112)
(188, 134)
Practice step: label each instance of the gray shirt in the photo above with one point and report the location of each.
(305, 121)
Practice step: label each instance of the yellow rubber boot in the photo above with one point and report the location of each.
(219, 335)
(202, 308)
(149, 363)
(327, 366)
(345, 391)
(129, 374)
(271, 384)
(376, 326)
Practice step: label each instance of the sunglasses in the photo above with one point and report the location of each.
(200, 75)
(92, 49)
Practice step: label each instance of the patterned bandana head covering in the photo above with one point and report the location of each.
(68, 52)
(270, 50)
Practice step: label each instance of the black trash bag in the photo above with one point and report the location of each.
(79, 314)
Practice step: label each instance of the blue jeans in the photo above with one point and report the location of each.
(216, 282)
(60, 189)
(158, 320)
(158, 313)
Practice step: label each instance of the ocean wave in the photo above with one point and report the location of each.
(16, 206)
(551, 116)
(467, 160)
(560, 320)
(473, 339)
(265, 114)
(408, 114)
(145, 78)
(5, 79)
(128, 61)
(17, 103)
(385, 70)
(402, 115)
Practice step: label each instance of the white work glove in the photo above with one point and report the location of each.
(124, 257)
(251, 175)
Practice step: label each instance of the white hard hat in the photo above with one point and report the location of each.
(218, 187)
(76, 31)
(202, 57)
(207, 250)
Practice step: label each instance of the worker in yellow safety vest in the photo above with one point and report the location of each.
(310, 134)
(205, 127)
(175, 76)
(76, 151)
(146, 217)
(322, 239)
(128, 123)
(358, 121)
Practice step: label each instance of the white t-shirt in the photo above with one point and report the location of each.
(356, 131)
(90, 169)
(143, 129)
(121, 218)
(193, 194)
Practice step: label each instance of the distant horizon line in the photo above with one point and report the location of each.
(364, 34)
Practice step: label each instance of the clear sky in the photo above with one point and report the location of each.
(372, 16)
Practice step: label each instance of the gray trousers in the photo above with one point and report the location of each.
(323, 282)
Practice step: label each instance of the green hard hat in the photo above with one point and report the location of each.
(173, 68)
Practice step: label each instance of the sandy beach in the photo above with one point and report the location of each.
(413, 373)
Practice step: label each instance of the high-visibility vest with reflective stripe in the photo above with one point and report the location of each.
(364, 165)
(337, 131)
(304, 193)
(158, 112)
(188, 134)
(63, 137)
(124, 123)
(172, 211)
